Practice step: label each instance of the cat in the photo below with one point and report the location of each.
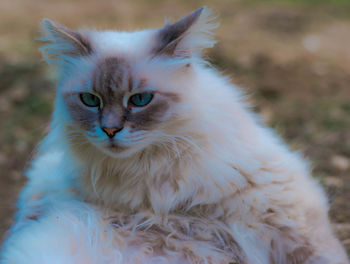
(154, 157)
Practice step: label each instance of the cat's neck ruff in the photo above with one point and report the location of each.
(156, 179)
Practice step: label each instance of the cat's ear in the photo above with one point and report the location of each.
(190, 34)
(63, 43)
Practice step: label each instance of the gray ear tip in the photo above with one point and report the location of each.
(199, 11)
(47, 23)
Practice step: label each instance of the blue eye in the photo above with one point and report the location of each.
(90, 100)
(141, 99)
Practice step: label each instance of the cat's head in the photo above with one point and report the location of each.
(122, 92)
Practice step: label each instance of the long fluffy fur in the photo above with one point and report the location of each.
(213, 186)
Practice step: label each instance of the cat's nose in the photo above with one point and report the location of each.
(111, 131)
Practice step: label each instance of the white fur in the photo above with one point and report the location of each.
(221, 154)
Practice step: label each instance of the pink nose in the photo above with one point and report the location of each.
(111, 131)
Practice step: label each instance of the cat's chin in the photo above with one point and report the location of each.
(116, 151)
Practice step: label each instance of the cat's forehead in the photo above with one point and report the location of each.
(135, 44)
(113, 75)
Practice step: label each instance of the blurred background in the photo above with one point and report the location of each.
(291, 56)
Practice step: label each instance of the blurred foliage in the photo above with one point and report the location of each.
(304, 2)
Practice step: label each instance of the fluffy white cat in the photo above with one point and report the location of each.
(154, 157)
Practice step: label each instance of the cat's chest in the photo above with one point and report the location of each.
(177, 239)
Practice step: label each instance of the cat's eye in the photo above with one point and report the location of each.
(141, 99)
(90, 100)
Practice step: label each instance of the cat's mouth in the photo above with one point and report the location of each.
(116, 150)
(113, 149)
(118, 147)
(113, 146)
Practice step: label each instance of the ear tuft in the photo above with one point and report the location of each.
(188, 35)
(63, 42)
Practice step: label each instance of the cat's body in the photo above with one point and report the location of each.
(190, 176)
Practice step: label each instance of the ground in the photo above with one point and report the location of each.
(291, 57)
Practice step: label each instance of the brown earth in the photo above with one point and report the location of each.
(292, 57)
